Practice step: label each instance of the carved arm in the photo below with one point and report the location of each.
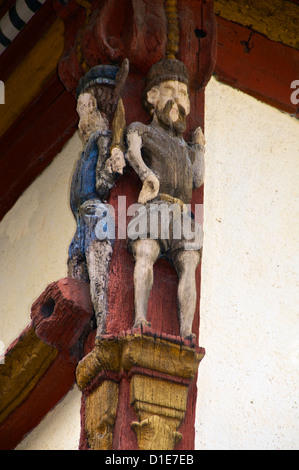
(151, 185)
(109, 166)
(198, 147)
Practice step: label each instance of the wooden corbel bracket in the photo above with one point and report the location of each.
(159, 371)
(38, 369)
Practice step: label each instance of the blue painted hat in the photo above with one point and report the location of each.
(99, 75)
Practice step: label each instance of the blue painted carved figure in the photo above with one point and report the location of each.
(99, 166)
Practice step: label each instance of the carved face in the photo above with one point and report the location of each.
(170, 90)
(90, 116)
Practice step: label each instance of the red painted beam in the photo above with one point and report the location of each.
(65, 324)
(34, 140)
(52, 387)
(250, 62)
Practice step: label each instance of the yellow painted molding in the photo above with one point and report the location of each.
(101, 407)
(160, 355)
(169, 396)
(145, 351)
(29, 77)
(278, 20)
(160, 373)
(160, 406)
(153, 434)
(24, 365)
(105, 356)
(173, 30)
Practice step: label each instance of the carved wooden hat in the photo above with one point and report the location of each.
(99, 75)
(166, 69)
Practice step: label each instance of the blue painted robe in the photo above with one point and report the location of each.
(85, 200)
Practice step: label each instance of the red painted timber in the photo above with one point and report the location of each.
(252, 63)
(66, 329)
(53, 386)
(34, 140)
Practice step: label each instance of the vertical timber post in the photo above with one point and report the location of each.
(139, 385)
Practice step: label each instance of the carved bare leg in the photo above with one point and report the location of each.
(145, 253)
(186, 263)
(77, 268)
(98, 256)
(76, 262)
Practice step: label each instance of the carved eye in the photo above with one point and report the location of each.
(169, 89)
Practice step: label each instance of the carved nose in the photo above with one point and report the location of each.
(174, 101)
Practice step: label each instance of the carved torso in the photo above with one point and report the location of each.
(170, 158)
(89, 165)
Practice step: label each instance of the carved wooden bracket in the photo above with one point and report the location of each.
(39, 366)
(159, 371)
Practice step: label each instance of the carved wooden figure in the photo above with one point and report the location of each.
(99, 165)
(169, 169)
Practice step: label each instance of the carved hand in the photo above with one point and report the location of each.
(150, 189)
(198, 137)
(116, 163)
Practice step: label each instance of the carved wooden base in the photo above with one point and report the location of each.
(160, 406)
(101, 406)
(159, 372)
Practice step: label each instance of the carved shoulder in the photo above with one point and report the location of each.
(136, 127)
(135, 133)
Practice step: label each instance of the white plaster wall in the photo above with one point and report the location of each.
(60, 429)
(34, 239)
(248, 379)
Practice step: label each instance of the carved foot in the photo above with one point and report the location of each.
(189, 336)
(100, 332)
(141, 322)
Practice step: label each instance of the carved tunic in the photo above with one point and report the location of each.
(179, 169)
(170, 158)
(88, 169)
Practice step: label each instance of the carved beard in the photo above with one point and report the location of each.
(178, 126)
